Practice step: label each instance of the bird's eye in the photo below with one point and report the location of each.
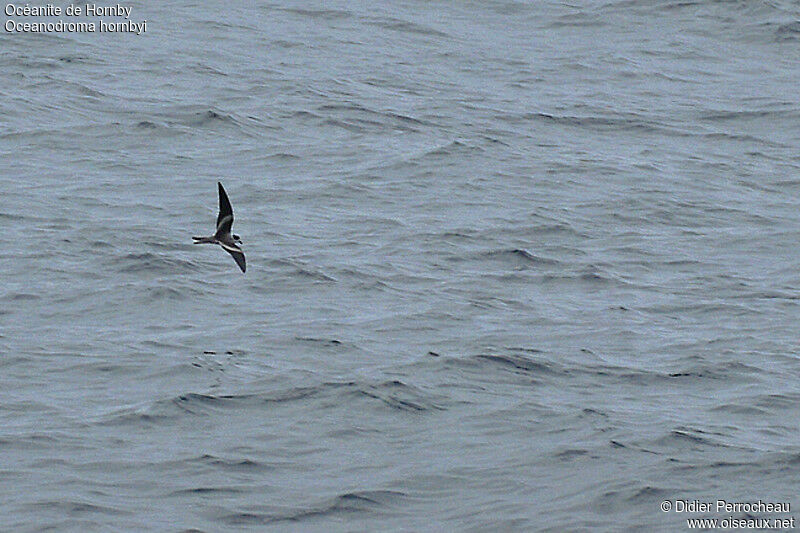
(237, 237)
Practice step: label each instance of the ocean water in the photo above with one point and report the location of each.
(512, 266)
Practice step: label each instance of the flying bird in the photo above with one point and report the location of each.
(229, 242)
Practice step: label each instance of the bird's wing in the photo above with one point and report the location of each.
(224, 226)
(237, 253)
(225, 208)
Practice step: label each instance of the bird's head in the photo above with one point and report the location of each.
(237, 239)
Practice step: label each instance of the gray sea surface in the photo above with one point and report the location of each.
(512, 266)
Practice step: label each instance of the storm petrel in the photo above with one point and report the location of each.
(223, 236)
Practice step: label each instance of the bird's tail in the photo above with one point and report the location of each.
(204, 240)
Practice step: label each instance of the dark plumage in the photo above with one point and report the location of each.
(223, 235)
